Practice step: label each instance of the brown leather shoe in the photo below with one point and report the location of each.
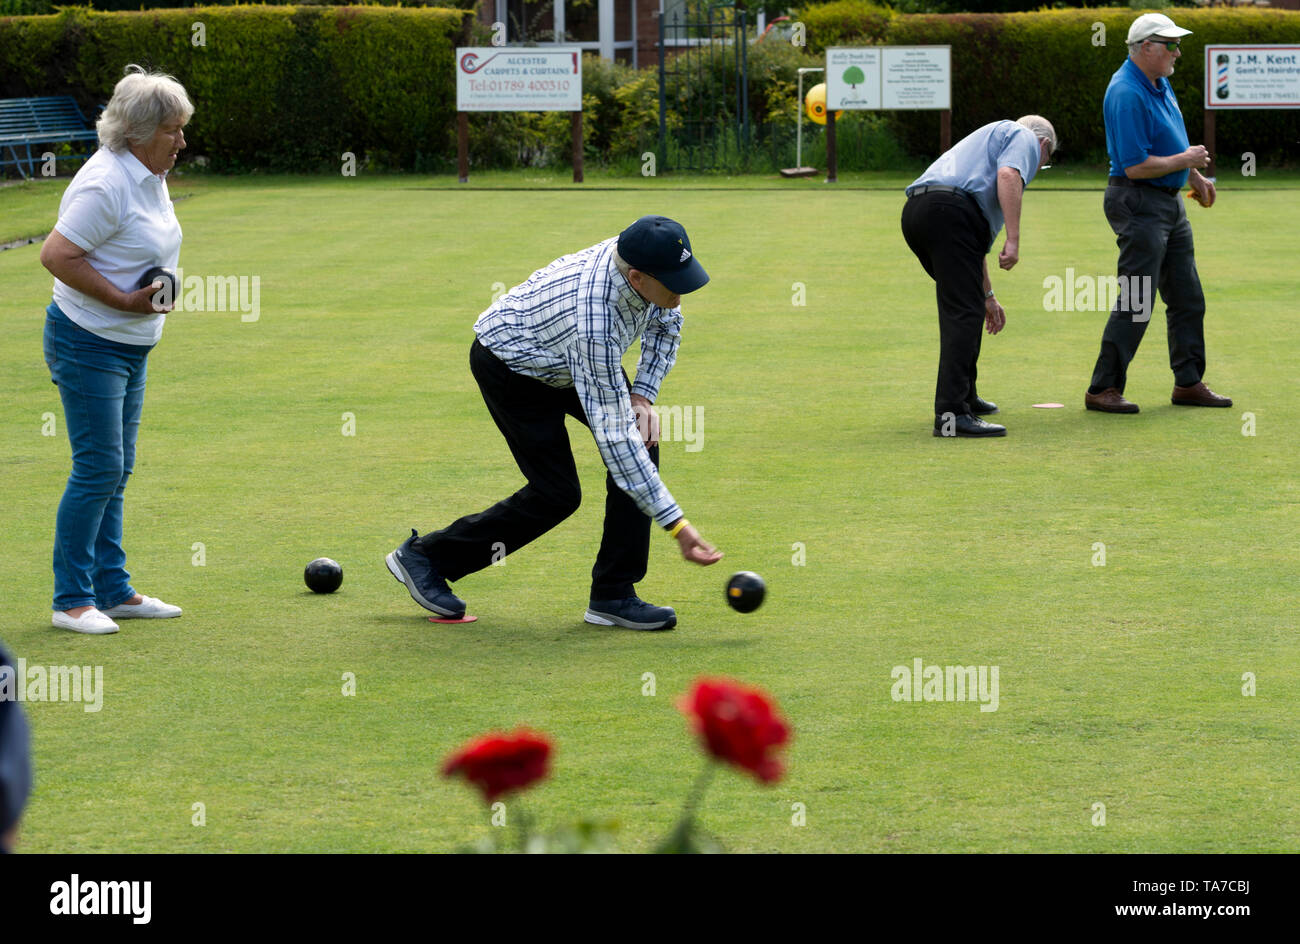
(1109, 400)
(1199, 395)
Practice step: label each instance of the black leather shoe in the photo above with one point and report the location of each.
(411, 566)
(964, 425)
(981, 407)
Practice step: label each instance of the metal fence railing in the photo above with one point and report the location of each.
(703, 86)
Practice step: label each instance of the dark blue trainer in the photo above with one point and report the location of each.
(411, 566)
(630, 613)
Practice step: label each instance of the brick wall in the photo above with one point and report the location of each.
(647, 33)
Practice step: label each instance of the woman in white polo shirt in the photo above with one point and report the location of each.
(116, 221)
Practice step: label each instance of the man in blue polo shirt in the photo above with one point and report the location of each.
(952, 217)
(1150, 160)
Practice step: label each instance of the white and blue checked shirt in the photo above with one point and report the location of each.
(569, 325)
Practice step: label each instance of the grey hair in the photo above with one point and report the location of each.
(622, 264)
(141, 102)
(1042, 129)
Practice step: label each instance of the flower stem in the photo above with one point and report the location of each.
(679, 840)
(697, 790)
(521, 819)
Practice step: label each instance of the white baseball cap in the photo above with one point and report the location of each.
(1154, 24)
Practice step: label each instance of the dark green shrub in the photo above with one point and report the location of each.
(1047, 63)
(284, 88)
(844, 23)
(275, 88)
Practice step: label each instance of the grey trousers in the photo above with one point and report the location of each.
(1155, 250)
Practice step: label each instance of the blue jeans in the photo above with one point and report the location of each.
(101, 383)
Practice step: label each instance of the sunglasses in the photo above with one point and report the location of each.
(1170, 44)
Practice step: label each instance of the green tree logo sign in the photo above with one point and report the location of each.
(853, 75)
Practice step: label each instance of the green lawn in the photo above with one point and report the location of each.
(31, 206)
(1119, 684)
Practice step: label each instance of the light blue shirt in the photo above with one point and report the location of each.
(972, 165)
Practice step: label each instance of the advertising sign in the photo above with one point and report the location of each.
(499, 78)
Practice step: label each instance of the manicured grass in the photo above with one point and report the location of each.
(1119, 684)
(31, 206)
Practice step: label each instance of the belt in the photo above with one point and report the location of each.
(937, 188)
(1127, 182)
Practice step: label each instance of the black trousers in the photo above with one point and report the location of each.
(1155, 249)
(531, 415)
(950, 237)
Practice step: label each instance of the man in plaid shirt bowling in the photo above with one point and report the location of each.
(553, 347)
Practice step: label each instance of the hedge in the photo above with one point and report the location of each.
(844, 23)
(275, 88)
(29, 7)
(292, 88)
(1007, 65)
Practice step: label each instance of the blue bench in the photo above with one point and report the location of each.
(28, 122)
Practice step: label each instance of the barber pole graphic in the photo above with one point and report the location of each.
(1221, 75)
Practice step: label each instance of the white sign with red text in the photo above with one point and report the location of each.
(500, 78)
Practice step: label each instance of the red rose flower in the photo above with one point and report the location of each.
(739, 725)
(497, 763)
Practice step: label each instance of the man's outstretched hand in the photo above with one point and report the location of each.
(695, 548)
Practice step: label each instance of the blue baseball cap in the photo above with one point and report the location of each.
(659, 247)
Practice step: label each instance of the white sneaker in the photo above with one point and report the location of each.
(147, 608)
(92, 621)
